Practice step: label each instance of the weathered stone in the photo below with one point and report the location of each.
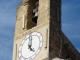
(55, 43)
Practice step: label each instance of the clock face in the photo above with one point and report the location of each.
(30, 46)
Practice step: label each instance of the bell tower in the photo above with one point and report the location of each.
(38, 30)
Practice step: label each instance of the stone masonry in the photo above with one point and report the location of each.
(49, 25)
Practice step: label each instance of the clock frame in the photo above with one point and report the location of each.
(26, 52)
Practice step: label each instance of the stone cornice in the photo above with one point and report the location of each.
(31, 30)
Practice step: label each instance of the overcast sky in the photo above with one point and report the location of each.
(70, 24)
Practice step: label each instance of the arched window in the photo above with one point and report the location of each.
(32, 16)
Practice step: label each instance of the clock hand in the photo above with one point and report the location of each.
(30, 43)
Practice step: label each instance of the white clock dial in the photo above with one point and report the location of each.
(30, 46)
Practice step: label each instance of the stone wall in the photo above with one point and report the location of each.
(55, 28)
(64, 49)
(68, 50)
(59, 44)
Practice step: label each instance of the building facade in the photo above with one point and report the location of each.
(38, 34)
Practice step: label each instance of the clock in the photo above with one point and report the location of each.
(30, 46)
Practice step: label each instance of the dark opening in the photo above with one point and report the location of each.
(35, 13)
(34, 19)
(32, 15)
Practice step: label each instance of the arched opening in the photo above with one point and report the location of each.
(35, 12)
(32, 13)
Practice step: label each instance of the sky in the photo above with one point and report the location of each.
(70, 24)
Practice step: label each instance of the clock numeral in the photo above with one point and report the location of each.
(38, 34)
(30, 58)
(39, 48)
(21, 57)
(24, 58)
(40, 37)
(20, 48)
(35, 54)
(19, 52)
(40, 44)
(41, 41)
(21, 45)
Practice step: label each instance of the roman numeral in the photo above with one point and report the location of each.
(30, 58)
(39, 48)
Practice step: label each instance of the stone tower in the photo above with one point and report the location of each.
(38, 30)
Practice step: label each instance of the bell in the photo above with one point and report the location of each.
(35, 16)
(34, 19)
(35, 13)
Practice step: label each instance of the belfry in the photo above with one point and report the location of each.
(38, 34)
